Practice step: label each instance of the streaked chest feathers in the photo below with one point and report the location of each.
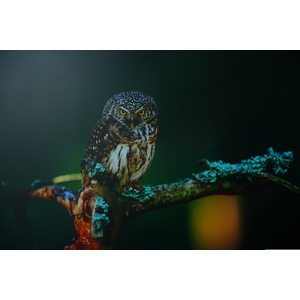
(129, 160)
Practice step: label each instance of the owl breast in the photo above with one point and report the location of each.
(130, 159)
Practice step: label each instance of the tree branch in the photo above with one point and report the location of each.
(222, 178)
(170, 194)
(57, 194)
(100, 212)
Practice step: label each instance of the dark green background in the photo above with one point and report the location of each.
(227, 105)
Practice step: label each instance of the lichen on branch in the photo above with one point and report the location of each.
(222, 178)
(275, 162)
(100, 211)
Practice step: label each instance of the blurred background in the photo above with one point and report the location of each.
(227, 105)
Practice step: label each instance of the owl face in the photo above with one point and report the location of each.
(133, 109)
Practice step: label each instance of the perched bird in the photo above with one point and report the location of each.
(124, 139)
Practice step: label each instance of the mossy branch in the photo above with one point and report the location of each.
(222, 178)
(100, 212)
(191, 189)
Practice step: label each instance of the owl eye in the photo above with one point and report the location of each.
(122, 112)
(142, 112)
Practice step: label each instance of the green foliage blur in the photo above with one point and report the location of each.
(227, 105)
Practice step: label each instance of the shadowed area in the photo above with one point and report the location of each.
(217, 105)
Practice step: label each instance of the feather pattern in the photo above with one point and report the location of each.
(125, 145)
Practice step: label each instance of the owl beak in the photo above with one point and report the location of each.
(133, 122)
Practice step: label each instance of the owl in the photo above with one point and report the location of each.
(124, 139)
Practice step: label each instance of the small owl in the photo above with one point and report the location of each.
(123, 140)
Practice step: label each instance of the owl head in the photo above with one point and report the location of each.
(133, 109)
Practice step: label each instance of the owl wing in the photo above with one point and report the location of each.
(97, 144)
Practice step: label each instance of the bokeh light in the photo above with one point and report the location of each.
(215, 223)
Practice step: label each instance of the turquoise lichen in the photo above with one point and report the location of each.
(100, 203)
(143, 194)
(271, 162)
(98, 170)
(100, 219)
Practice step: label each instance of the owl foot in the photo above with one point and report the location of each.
(131, 185)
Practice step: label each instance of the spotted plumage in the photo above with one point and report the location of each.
(123, 140)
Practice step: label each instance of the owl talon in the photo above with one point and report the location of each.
(131, 185)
